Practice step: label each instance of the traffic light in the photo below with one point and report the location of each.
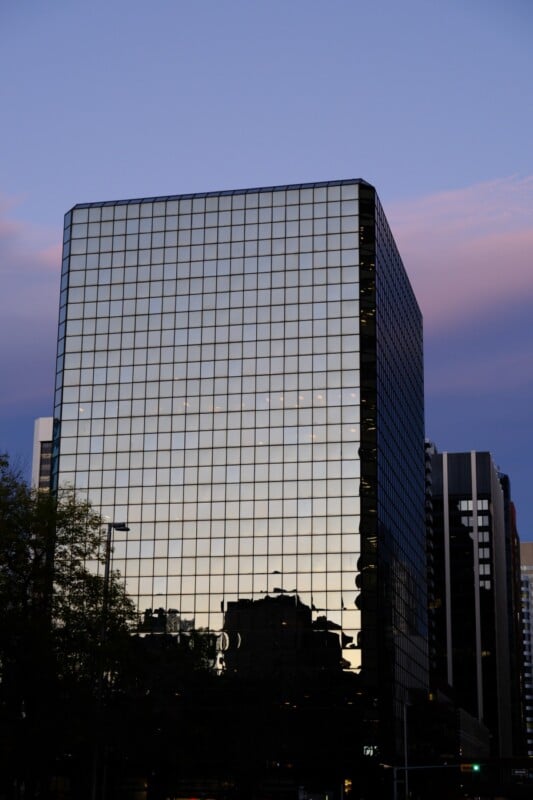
(471, 767)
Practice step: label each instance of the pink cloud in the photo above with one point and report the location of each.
(30, 264)
(468, 250)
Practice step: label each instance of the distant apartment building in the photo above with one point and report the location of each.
(41, 465)
(476, 607)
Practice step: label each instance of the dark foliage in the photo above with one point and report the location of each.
(54, 646)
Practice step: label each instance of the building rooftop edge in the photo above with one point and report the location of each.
(187, 195)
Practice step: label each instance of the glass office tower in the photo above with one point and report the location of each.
(240, 379)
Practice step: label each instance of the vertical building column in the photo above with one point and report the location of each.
(477, 609)
(447, 568)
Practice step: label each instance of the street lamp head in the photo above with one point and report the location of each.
(120, 526)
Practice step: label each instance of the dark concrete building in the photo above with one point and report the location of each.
(476, 608)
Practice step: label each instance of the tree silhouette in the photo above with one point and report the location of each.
(53, 648)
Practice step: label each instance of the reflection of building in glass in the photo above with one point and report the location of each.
(477, 610)
(41, 468)
(277, 636)
(240, 378)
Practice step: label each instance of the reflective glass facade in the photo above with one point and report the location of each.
(239, 377)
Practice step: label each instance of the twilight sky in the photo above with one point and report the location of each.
(430, 101)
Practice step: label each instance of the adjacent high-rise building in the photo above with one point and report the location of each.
(240, 379)
(526, 557)
(476, 605)
(514, 615)
(41, 465)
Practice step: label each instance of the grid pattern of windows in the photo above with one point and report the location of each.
(527, 598)
(45, 465)
(392, 471)
(208, 392)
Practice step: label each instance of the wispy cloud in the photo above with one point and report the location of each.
(481, 371)
(468, 251)
(30, 262)
(25, 246)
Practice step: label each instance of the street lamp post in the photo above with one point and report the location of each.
(111, 526)
(394, 778)
(412, 767)
(405, 752)
(99, 762)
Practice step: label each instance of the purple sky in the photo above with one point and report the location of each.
(430, 102)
